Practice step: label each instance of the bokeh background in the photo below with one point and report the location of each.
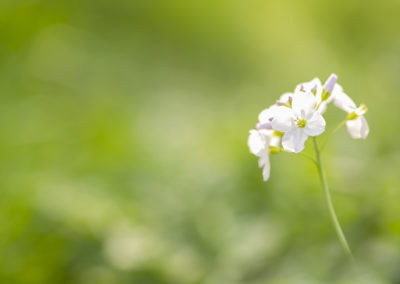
(123, 142)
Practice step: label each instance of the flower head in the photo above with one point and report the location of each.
(297, 115)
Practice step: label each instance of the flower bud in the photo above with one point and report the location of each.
(330, 83)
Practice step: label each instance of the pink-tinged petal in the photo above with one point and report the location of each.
(263, 125)
(344, 102)
(358, 128)
(330, 83)
(283, 121)
(293, 141)
(315, 125)
(303, 104)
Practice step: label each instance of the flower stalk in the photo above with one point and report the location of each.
(332, 213)
(331, 134)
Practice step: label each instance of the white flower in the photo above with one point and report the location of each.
(356, 123)
(298, 121)
(259, 143)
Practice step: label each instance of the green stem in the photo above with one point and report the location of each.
(324, 183)
(308, 157)
(305, 155)
(332, 132)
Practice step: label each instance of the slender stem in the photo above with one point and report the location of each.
(324, 183)
(331, 133)
(305, 155)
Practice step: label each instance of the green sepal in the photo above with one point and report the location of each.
(351, 116)
(325, 95)
(278, 133)
(274, 150)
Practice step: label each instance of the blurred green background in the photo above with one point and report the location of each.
(123, 142)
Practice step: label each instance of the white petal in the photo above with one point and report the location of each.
(322, 107)
(267, 114)
(364, 128)
(343, 101)
(275, 141)
(336, 90)
(256, 142)
(315, 125)
(303, 103)
(293, 141)
(267, 134)
(284, 99)
(283, 121)
(358, 128)
(267, 167)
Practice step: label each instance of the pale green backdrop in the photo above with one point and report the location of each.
(123, 142)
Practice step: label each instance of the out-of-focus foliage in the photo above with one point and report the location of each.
(123, 131)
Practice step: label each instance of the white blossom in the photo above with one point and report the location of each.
(356, 123)
(297, 115)
(298, 121)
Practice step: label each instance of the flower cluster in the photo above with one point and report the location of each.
(298, 115)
